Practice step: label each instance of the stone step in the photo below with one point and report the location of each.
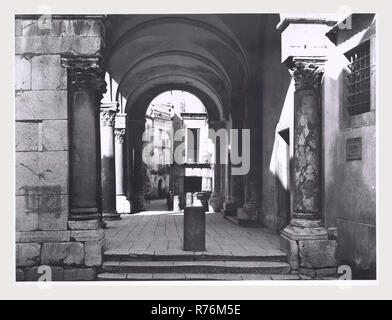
(238, 267)
(107, 276)
(268, 255)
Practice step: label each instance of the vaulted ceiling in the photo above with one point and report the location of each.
(207, 55)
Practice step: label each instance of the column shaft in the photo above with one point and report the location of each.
(237, 181)
(108, 173)
(119, 156)
(122, 204)
(85, 87)
(253, 179)
(306, 169)
(217, 197)
(307, 145)
(137, 128)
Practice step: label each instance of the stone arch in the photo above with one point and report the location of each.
(138, 103)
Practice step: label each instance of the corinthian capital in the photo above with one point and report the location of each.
(119, 135)
(84, 72)
(107, 118)
(307, 74)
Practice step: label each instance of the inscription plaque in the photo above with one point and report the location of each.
(354, 149)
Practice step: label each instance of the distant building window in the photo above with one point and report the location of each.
(193, 145)
(359, 79)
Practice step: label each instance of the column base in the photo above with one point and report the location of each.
(138, 203)
(109, 216)
(122, 204)
(248, 217)
(309, 250)
(229, 208)
(80, 214)
(250, 211)
(216, 201)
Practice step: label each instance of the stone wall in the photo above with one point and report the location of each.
(43, 234)
(350, 185)
(275, 85)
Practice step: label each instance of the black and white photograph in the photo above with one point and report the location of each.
(236, 147)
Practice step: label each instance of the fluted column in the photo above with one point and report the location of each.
(122, 204)
(108, 170)
(85, 87)
(136, 128)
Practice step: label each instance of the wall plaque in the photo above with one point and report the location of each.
(354, 149)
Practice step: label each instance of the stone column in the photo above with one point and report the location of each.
(307, 144)
(129, 162)
(136, 128)
(217, 197)
(237, 181)
(310, 248)
(305, 239)
(122, 204)
(229, 207)
(108, 171)
(85, 87)
(251, 210)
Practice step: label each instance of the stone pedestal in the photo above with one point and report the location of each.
(108, 113)
(194, 229)
(122, 204)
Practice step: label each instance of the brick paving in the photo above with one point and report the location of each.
(161, 233)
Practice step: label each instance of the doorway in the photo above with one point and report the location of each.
(192, 184)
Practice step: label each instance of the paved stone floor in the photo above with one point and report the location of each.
(157, 205)
(161, 232)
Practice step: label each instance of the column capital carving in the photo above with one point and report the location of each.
(307, 73)
(84, 72)
(119, 135)
(107, 117)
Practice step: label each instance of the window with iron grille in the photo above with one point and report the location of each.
(359, 79)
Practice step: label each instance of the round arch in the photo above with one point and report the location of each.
(140, 99)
